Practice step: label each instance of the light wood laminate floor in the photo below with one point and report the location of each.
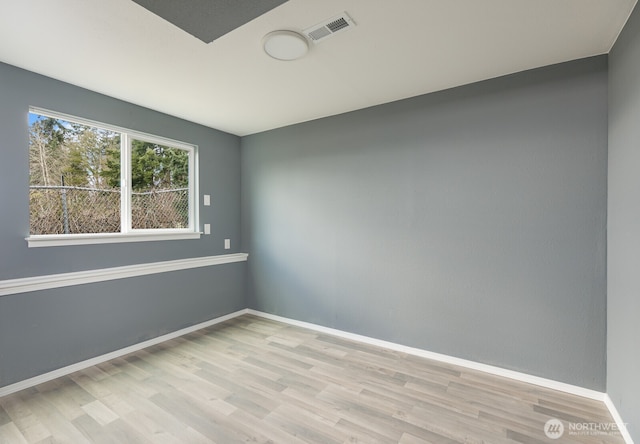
(259, 381)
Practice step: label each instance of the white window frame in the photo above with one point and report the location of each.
(128, 234)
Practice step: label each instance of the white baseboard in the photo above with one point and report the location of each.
(12, 388)
(518, 376)
(622, 426)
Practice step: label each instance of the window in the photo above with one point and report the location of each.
(94, 183)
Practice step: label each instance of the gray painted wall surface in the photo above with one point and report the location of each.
(623, 242)
(45, 330)
(469, 222)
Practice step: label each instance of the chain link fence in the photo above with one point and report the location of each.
(160, 209)
(75, 210)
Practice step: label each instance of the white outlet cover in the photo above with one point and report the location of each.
(227, 244)
(207, 200)
(207, 228)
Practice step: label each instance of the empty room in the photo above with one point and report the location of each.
(304, 221)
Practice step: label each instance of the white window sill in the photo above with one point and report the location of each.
(56, 240)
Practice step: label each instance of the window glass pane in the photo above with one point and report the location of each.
(74, 180)
(159, 186)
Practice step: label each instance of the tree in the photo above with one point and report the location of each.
(75, 172)
(89, 153)
(112, 170)
(47, 151)
(155, 166)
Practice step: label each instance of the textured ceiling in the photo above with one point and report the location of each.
(397, 49)
(209, 19)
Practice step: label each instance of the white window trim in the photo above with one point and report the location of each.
(128, 234)
(57, 240)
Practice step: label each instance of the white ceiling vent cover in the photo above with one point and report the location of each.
(329, 27)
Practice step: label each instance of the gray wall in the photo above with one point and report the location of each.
(469, 222)
(45, 330)
(623, 253)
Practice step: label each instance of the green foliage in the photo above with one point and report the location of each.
(78, 153)
(158, 167)
(90, 157)
(75, 171)
(112, 171)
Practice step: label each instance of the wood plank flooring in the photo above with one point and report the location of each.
(259, 381)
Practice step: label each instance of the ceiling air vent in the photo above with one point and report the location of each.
(329, 27)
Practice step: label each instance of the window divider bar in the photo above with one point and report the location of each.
(125, 195)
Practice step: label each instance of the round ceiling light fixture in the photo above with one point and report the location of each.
(285, 45)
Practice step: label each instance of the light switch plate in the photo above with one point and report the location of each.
(227, 244)
(207, 228)
(207, 200)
